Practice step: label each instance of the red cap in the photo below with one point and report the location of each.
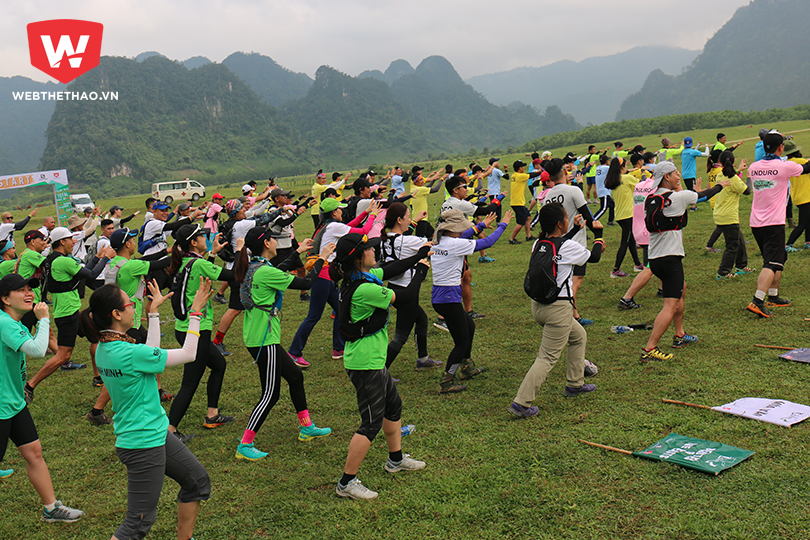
(217, 196)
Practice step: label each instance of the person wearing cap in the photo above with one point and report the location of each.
(727, 218)
(666, 216)
(250, 188)
(262, 331)
(324, 290)
(364, 317)
(9, 257)
(771, 181)
(800, 193)
(559, 326)
(82, 230)
(759, 149)
(30, 263)
(689, 157)
(574, 202)
(16, 423)
(452, 244)
(362, 194)
(115, 214)
(520, 181)
(142, 442)
(7, 227)
(63, 278)
(155, 233)
(318, 188)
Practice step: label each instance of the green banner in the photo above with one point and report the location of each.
(63, 209)
(705, 456)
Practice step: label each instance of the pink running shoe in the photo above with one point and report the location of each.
(299, 361)
(618, 273)
(337, 355)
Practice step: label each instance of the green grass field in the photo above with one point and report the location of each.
(488, 475)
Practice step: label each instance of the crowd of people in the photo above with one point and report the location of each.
(372, 248)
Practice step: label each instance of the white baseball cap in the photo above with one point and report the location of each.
(60, 233)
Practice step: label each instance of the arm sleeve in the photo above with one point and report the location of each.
(126, 219)
(436, 188)
(337, 185)
(596, 253)
(283, 222)
(286, 264)
(365, 229)
(153, 332)
(358, 220)
(395, 268)
(711, 192)
(484, 210)
(475, 230)
(306, 282)
(93, 269)
(37, 347)
(586, 215)
(188, 353)
(176, 224)
(160, 264)
(20, 225)
(489, 241)
(806, 168)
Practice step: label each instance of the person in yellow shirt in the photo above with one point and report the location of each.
(800, 193)
(520, 181)
(727, 217)
(714, 169)
(622, 184)
(318, 188)
(419, 203)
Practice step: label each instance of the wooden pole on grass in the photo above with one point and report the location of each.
(775, 347)
(611, 448)
(685, 403)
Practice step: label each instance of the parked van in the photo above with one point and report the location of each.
(80, 201)
(181, 190)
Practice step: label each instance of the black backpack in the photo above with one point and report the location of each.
(540, 282)
(51, 285)
(654, 218)
(179, 286)
(353, 331)
(227, 253)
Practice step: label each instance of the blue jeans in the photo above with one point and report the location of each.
(323, 291)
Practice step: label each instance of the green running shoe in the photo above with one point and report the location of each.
(248, 452)
(312, 432)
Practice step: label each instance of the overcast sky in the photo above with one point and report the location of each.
(476, 36)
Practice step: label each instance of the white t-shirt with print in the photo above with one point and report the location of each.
(447, 261)
(398, 247)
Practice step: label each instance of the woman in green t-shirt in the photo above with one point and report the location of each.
(262, 331)
(143, 443)
(16, 424)
(189, 248)
(363, 321)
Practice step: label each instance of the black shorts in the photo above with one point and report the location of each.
(377, 399)
(591, 180)
(235, 300)
(669, 270)
(771, 242)
(580, 270)
(67, 328)
(283, 254)
(19, 429)
(689, 183)
(521, 214)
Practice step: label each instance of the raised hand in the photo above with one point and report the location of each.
(157, 297)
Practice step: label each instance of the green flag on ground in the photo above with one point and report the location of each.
(706, 456)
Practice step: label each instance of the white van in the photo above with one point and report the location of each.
(80, 201)
(182, 189)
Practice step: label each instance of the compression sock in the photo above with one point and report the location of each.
(396, 457)
(219, 338)
(248, 437)
(346, 478)
(303, 418)
(773, 292)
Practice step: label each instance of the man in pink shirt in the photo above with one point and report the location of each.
(770, 177)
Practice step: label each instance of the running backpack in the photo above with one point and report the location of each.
(145, 245)
(52, 285)
(246, 297)
(540, 282)
(353, 331)
(179, 286)
(227, 253)
(315, 249)
(654, 218)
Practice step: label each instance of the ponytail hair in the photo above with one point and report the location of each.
(344, 269)
(98, 315)
(177, 259)
(554, 168)
(613, 178)
(241, 266)
(713, 158)
(727, 161)
(395, 211)
(549, 216)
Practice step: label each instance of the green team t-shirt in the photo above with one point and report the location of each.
(12, 365)
(7, 267)
(128, 371)
(30, 262)
(267, 282)
(67, 303)
(368, 353)
(207, 270)
(130, 276)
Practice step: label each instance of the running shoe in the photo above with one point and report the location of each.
(304, 297)
(743, 270)
(618, 274)
(679, 342)
(638, 268)
(530, 238)
(216, 421)
(407, 464)
(164, 395)
(299, 361)
(61, 514)
(355, 490)
(475, 315)
(469, 370)
(655, 355)
(72, 366)
(5, 473)
(708, 249)
(486, 259)
(29, 393)
(97, 382)
(312, 432)
(222, 350)
(441, 324)
(523, 412)
(99, 420)
(758, 306)
(584, 322)
(184, 437)
(515, 242)
(570, 391)
(590, 369)
(775, 301)
(427, 363)
(332, 315)
(628, 304)
(248, 452)
(659, 293)
(220, 299)
(407, 430)
(722, 277)
(447, 384)
(791, 249)
(807, 245)
(611, 223)
(337, 355)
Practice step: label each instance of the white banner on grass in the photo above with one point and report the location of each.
(775, 411)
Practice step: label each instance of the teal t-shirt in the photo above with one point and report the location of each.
(30, 263)
(67, 303)
(369, 352)
(207, 270)
(130, 277)
(7, 267)
(259, 328)
(12, 368)
(129, 374)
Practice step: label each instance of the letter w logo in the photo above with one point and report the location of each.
(65, 32)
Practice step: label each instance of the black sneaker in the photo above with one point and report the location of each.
(222, 350)
(72, 366)
(441, 324)
(304, 297)
(775, 301)
(758, 306)
(475, 315)
(216, 421)
(515, 241)
(97, 382)
(628, 304)
(99, 419)
(220, 299)
(660, 293)
(184, 438)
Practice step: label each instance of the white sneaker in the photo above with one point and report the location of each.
(356, 490)
(407, 464)
(61, 514)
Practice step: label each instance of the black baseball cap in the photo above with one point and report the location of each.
(32, 235)
(772, 141)
(121, 237)
(360, 183)
(351, 243)
(15, 282)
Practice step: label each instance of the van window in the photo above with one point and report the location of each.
(195, 184)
